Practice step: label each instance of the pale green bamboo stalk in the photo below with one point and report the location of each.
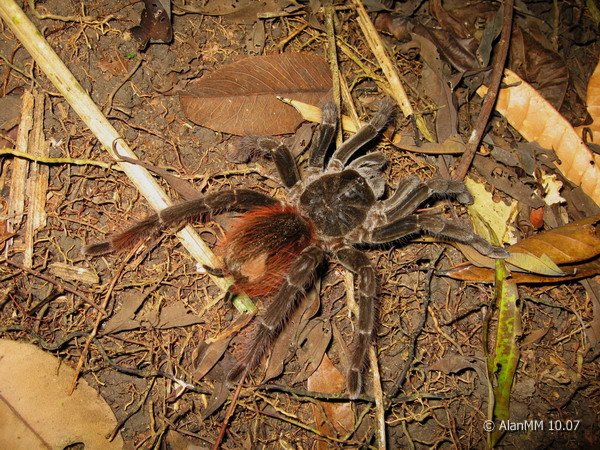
(62, 78)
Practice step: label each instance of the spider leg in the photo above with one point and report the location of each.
(435, 226)
(411, 192)
(213, 203)
(280, 309)
(359, 264)
(283, 158)
(364, 135)
(323, 135)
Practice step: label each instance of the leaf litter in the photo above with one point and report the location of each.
(152, 333)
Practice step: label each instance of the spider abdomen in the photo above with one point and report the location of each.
(261, 246)
(337, 202)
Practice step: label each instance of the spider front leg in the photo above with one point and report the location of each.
(359, 264)
(434, 226)
(286, 300)
(283, 158)
(364, 135)
(411, 192)
(213, 203)
(323, 135)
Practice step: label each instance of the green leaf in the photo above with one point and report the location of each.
(503, 362)
(542, 265)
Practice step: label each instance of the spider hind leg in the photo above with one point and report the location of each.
(283, 304)
(213, 203)
(359, 264)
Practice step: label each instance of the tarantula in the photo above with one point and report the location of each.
(275, 247)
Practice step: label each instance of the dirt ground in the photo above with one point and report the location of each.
(443, 396)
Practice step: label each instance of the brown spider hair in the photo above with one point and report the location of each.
(261, 246)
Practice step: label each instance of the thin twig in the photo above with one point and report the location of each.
(88, 20)
(492, 94)
(230, 410)
(111, 96)
(332, 397)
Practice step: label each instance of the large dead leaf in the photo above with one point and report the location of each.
(536, 120)
(37, 412)
(241, 98)
(593, 105)
(574, 248)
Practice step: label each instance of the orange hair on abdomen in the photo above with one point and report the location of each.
(261, 246)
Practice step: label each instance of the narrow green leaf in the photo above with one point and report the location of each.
(503, 361)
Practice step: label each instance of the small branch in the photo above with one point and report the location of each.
(492, 94)
(111, 96)
(230, 410)
(333, 397)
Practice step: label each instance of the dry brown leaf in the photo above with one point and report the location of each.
(314, 342)
(593, 105)
(124, 318)
(211, 351)
(574, 248)
(454, 363)
(331, 418)
(241, 98)
(35, 410)
(569, 244)
(238, 11)
(536, 120)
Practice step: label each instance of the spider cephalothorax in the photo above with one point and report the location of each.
(275, 247)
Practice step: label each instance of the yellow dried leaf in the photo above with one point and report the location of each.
(491, 220)
(536, 120)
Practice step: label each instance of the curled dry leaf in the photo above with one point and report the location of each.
(37, 412)
(593, 106)
(536, 120)
(241, 98)
(572, 249)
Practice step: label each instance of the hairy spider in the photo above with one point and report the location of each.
(274, 247)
